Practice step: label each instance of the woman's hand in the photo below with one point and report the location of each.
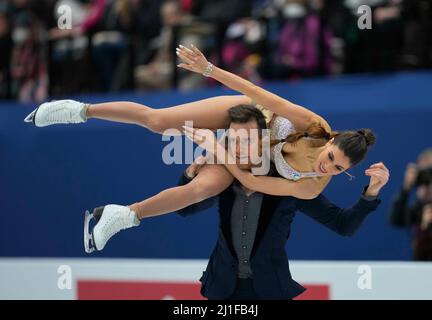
(192, 59)
(195, 167)
(205, 138)
(379, 176)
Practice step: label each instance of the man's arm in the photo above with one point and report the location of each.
(342, 221)
(187, 177)
(347, 221)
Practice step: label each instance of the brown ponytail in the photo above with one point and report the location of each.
(314, 131)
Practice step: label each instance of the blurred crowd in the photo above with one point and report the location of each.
(114, 45)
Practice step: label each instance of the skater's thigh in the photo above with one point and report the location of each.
(211, 113)
(211, 180)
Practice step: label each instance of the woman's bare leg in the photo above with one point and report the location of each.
(208, 113)
(210, 181)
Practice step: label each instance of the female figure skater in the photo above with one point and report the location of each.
(308, 155)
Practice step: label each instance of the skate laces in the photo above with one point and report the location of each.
(115, 224)
(62, 114)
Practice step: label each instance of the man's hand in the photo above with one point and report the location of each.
(379, 176)
(194, 168)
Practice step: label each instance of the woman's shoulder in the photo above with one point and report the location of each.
(315, 185)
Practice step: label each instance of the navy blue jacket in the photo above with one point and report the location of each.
(271, 274)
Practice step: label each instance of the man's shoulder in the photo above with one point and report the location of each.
(284, 202)
(319, 201)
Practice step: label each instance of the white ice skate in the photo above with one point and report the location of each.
(110, 220)
(55, 112)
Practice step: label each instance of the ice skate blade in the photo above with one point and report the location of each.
(31, 116)
(88, 239)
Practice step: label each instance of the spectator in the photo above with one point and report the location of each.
(5, 53)
(417, 34)
(222, 12)
(423, 238)
(416, 215)
(123, 44)
(70, 46)
(149, 25)
(110, 45)
(240, 52)
(158, 73)
(385, 37)
(303, 45)
(29, 64)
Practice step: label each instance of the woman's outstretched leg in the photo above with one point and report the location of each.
(210, 181)
(209, 113)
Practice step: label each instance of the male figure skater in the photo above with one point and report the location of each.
(249, 260)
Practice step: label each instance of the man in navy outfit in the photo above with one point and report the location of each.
(249, 260)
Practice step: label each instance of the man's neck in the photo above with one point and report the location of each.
(247, 191)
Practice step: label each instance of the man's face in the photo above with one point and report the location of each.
(244, 143)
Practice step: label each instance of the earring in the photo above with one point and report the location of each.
(351, 177)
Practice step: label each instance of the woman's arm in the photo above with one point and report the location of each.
(303, 189)
(308, 188)
(301, 117)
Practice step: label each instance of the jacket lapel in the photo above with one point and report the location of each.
(226, 201)
(268, 208)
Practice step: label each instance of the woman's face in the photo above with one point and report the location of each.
(331, 161)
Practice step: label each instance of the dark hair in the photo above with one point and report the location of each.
(354, 144)
(244, 113)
